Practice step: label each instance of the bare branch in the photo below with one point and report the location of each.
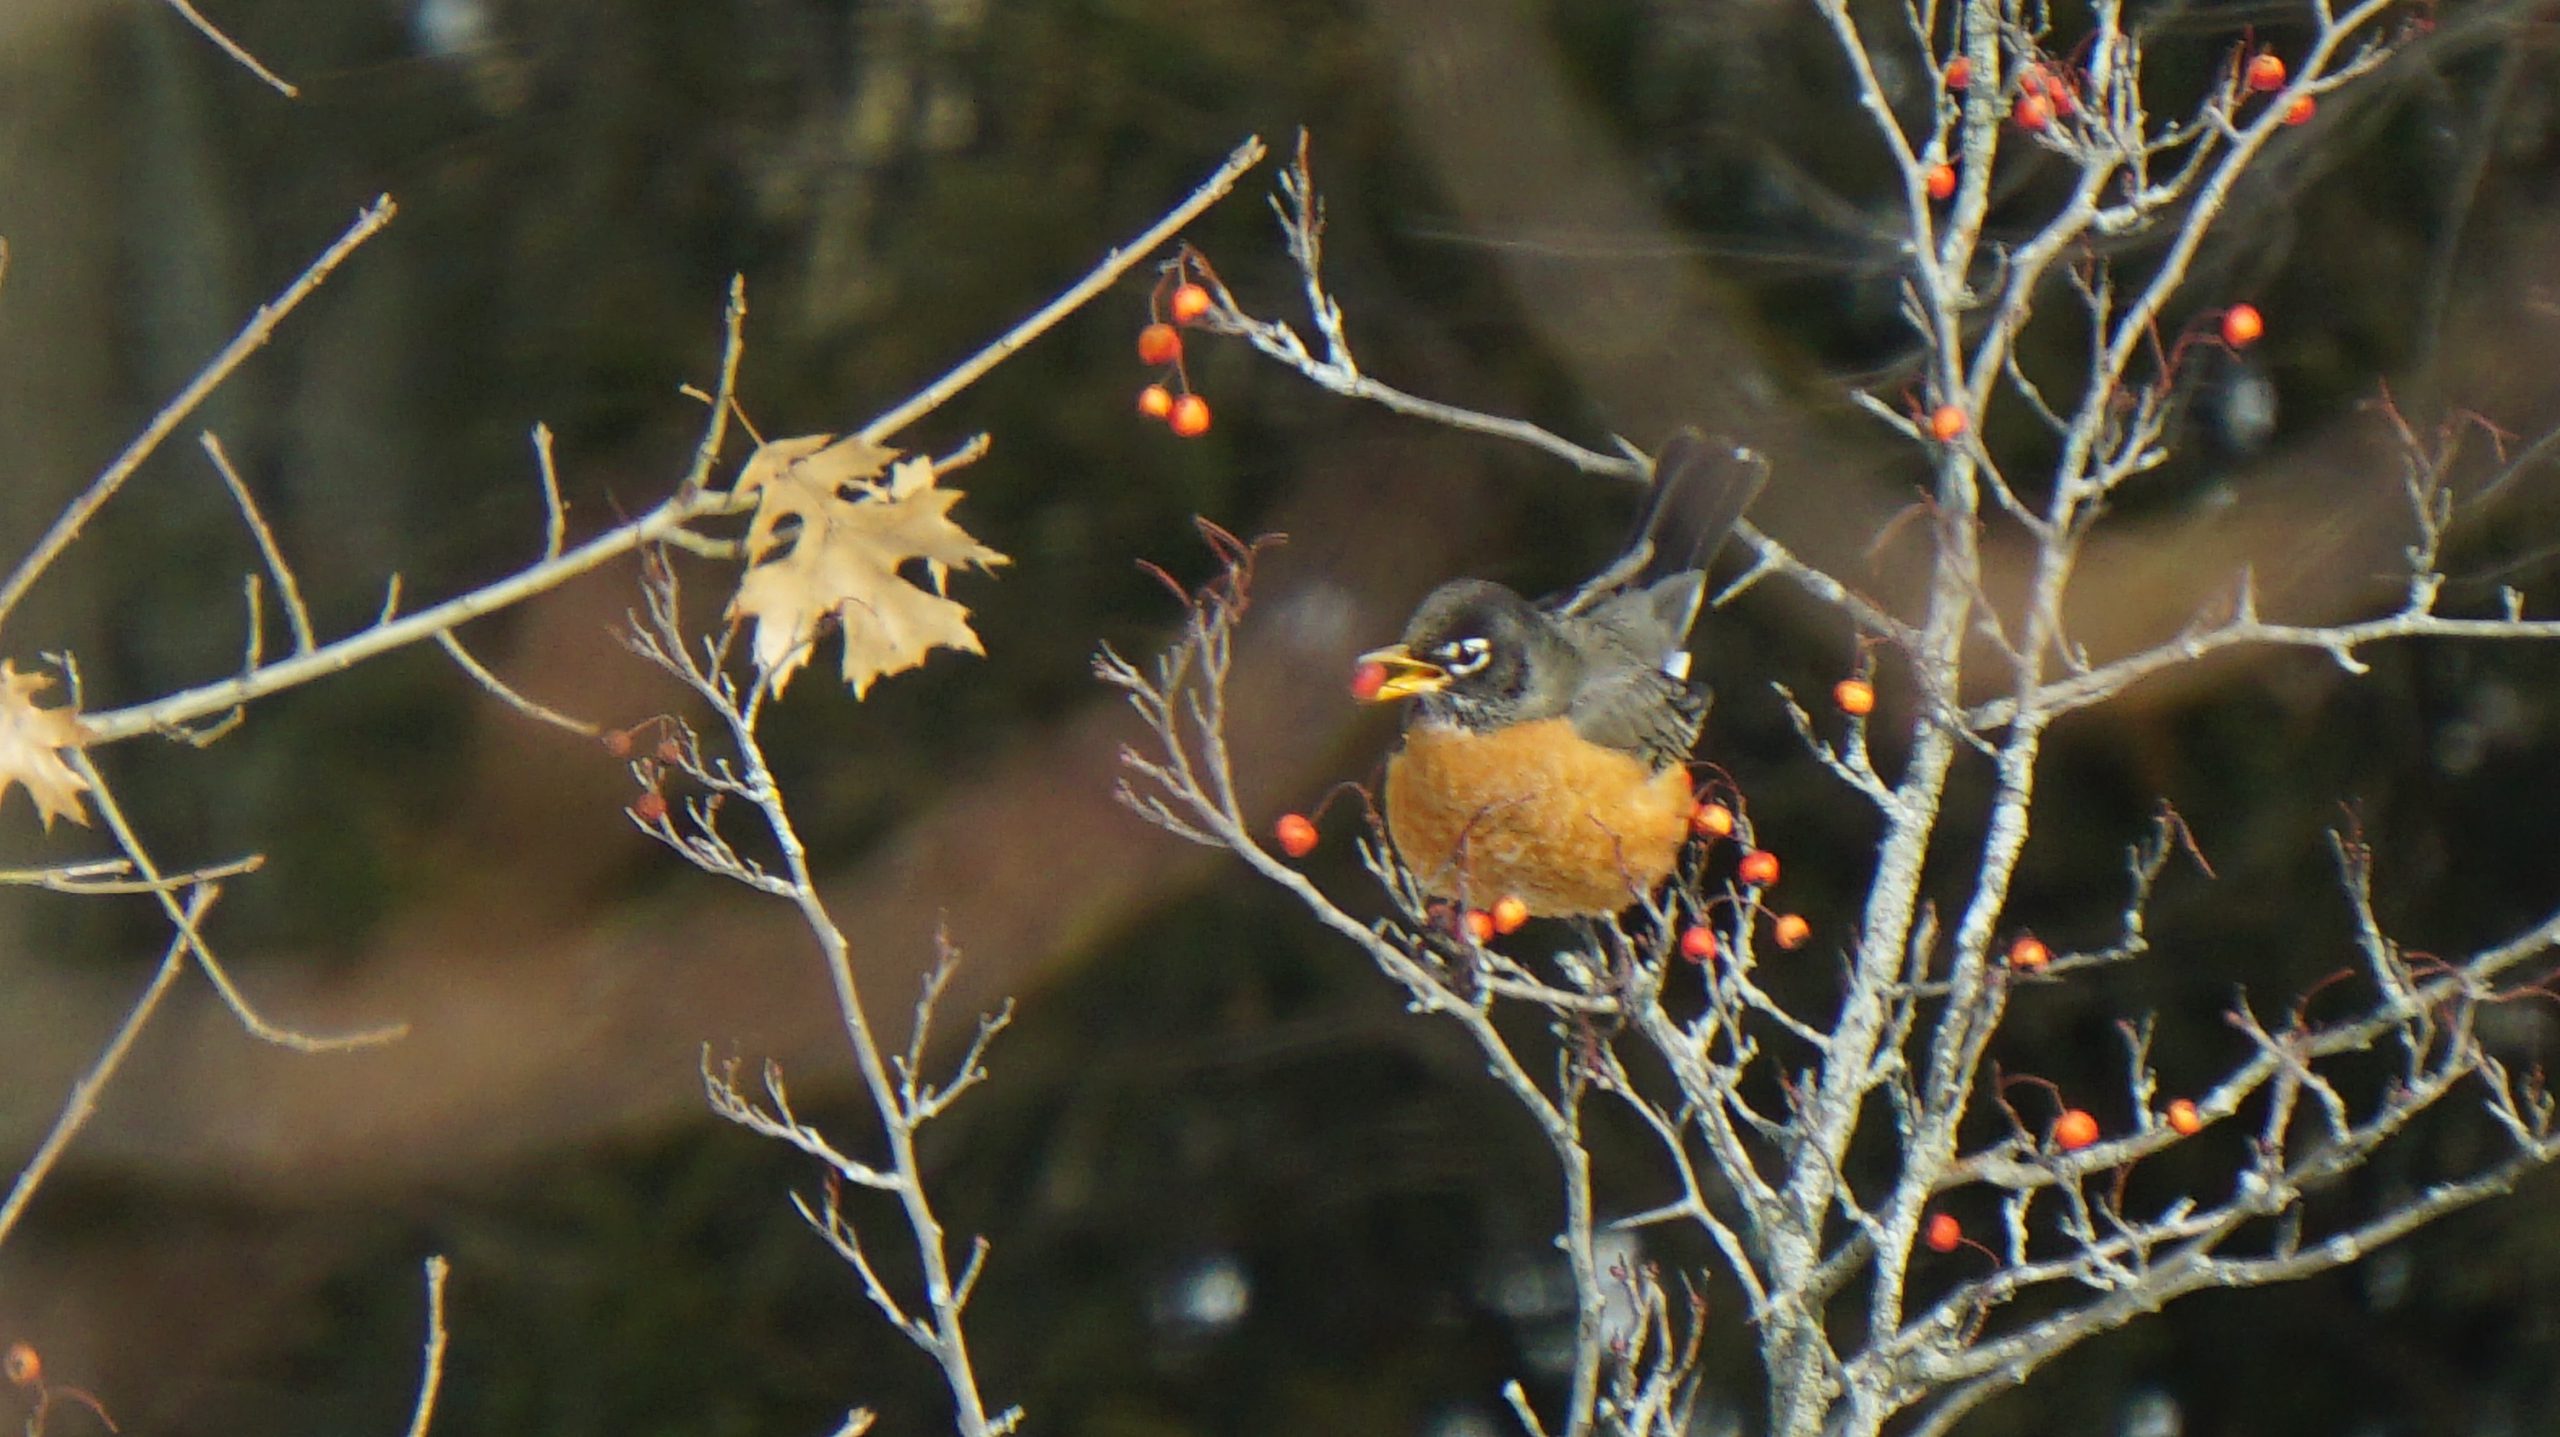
(277, 568)
(252, 336)
(539, 713)
(82, 1102)
(1115, 264)
(239, 56)
(191, 936)
(431, 1366)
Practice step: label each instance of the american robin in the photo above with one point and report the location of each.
(1546, 754)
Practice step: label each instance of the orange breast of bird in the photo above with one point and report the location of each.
(1534, 811)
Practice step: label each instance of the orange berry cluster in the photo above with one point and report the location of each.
(650, 807)
(2265, 74)
(1160, 345)
(1507, 915)
(2045, 94)
(2077, 1128)
(1758, 868)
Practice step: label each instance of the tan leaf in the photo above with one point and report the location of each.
(30, 740)
(850, 528)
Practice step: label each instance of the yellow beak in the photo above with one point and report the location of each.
(1406, 676)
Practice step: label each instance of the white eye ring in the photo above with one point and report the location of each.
(1463, 656)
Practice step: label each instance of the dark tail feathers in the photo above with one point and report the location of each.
(1700, 489)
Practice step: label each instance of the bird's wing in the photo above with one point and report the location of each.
(1639, 709)
(1634, 693)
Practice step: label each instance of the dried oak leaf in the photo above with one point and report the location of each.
(30, 742)
(835, 521)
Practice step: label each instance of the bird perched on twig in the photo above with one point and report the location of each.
(1546, 754)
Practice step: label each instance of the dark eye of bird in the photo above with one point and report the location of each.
(1461, 657)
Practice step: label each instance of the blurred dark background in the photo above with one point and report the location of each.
(1231, 1186)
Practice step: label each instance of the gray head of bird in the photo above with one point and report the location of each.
(1480, 656)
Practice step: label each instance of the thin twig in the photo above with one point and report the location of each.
(724, 396)
(233, 49)
(107, 875)
(539, 713)
(555, 511)
(256, 332)
(82, 1102)
(388, 634)
(431, 1370)
(277, 568)
(191, 935)
(1114, 264)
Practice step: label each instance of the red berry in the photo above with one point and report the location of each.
(1712, 820)
(650, 807)
(2029, 954)
(1946, 422)
(1856, 697)
(1792, 930)
(1480, 925)
(1155, 401)
(1190, 416)
(2045, 83)
(1509, 913)
(670, 752)
(1697, 943)
(2241, 325)
(1760, 868)
(2074, 1130)
(1940, 181)
(2266, 73)
(1943, 1234)
(1367, 679)
(2184, 1119)
(1297, 834)
(618, 742)
(2301, 110)
(2032, 112)
(1960, 72)
(1159, 344)
(1189, 303)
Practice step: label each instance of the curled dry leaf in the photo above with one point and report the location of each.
(31, 739)
(835, 521)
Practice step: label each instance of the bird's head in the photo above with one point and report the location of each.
(1475, 654)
